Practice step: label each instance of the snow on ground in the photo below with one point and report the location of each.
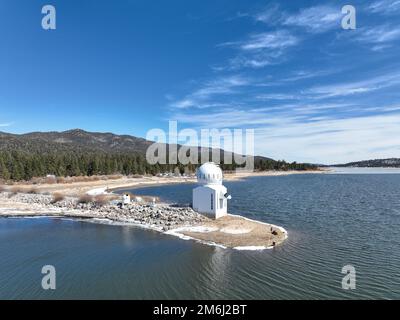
(97, 191)
(253, 248)
(234, 230)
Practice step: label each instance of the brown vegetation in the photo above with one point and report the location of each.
(32, 190)
(101, 199)
(136, 176)
(85, 198)
(67, 180)
(50, 180)
(115, 176)
(149, 198)
(16, 189)
(57, 197)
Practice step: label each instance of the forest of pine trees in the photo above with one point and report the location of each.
(19, 165)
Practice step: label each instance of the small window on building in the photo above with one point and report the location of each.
(212, 202)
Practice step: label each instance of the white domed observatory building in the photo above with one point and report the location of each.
(210, 197)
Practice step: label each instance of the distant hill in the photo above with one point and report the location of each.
(73, 140)
(78, 152)
(382, 163)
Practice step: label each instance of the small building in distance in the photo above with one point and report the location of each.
(210, 197)
(126, 198)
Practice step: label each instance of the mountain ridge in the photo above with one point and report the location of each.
(373, 163)
(79, 152)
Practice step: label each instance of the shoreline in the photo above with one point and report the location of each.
(231, 231)
(273, 173)
(77, 188)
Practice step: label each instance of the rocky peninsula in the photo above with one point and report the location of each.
(230, 231)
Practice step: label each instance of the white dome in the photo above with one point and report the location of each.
(209, 173)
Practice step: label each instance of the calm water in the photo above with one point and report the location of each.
(332, 220)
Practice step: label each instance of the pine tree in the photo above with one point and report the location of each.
(4, 173)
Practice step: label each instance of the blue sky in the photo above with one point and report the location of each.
(311, 90)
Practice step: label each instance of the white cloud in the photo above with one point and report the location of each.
(301, 135)
(332, 140)
(220, 86)
(270, 15)
(385, 6)
(379, 47)
(316, 19)
(261, 49)
(8, 124)
(251, 62)
(378, 34)
(308, 74)
(270, 40)
(357, 87)
(304, 128)
(185, 103)
(276, 96)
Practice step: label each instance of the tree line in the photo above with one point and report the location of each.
(19, 165)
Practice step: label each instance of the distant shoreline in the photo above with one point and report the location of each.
(81, 187)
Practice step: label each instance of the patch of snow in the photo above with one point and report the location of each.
(202, 229)
(267, 224)
(252, 248)
(175, 232)
(233, 230)
(97, 191)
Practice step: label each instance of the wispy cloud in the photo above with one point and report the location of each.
(270, 15)
(200, 98)
(261, 49)
(276, 96)
(385, 7)
(305, 111)
(269, 40)
(7, 124)
(332, 140)
(379, 34)
(221, 85)
(308, 74)
(315, 138)
(229, 118)
(357, 87)
(313, 19)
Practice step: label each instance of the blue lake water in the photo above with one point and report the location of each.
(333, 220)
